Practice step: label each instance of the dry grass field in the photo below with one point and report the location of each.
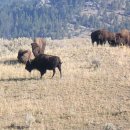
(93, 94)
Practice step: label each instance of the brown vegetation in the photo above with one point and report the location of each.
(93, 94)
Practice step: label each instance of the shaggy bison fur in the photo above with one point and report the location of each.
(23, 56)
(44, 62)
(123, 37)
(102, 36)
(38, 46)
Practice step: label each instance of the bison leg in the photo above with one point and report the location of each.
(97, 43)
(59, 67)
(112, 43)
(101, 42)
(53, 72)
(92, 42)
(42, 73)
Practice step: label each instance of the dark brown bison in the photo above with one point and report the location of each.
(95, 37)
(102, 36)
(23, 56)
(38, 46)
(123, 37)
(44, 62)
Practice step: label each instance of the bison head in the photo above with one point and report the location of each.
(23, 56)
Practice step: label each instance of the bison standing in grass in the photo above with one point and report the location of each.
(38, 46)
(109, 37)
(44, 62)
(95, 37)
(123, 37)
(23, 56)
(102, 36)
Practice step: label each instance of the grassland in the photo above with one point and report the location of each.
(93, 94)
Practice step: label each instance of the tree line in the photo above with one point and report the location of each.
(29, 18)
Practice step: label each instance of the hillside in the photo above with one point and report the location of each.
(113, 14)
(61, 18)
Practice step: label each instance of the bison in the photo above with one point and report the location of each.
(95, 37)
(102, 36)
(38, 46)
(23, 56)
(44, 62)
(123, 37)
(110, 37)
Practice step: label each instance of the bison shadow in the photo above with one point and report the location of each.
(18, 127)
(20, 79)
(9, 62)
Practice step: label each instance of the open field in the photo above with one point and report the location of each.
(93, 94)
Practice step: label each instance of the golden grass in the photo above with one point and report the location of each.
(94, 89)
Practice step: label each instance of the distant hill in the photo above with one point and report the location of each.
(113, 14)
(61, 18)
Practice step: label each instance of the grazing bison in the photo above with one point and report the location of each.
(102, 36)
(38, 46)
(44, 62)
(23, 56)
(123, 37)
